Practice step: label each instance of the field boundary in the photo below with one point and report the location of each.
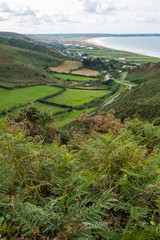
(77, 107)
(95, 89)
(74, 75)
(4, 112)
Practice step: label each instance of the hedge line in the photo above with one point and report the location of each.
(37, 100)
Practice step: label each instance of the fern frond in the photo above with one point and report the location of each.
(27, 215)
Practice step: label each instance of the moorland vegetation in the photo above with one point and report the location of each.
(98, 186)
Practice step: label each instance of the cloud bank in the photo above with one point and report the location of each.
(61, 16)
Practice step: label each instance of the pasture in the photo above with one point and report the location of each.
(10, 98)
(86, 72)
(74, 77)
(76, 97)
(66, 66)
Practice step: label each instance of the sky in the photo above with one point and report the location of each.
(80, 16)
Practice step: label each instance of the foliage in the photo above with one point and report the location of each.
(101, 123)
(109, 189)
(36, 124)
(99, 64)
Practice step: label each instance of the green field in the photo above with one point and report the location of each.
(74, 77)
(10, 98)
(74, 97)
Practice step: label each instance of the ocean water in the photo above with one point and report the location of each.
(149, 46)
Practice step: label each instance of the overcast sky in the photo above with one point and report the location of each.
(80, 16)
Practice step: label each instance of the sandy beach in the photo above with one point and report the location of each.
(94, 41)
(126, 47)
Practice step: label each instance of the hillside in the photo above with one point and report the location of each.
(30, 46)
(25, 66)
(142, 99)
(15, 36)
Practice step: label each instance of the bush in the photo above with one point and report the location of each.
(36, 124)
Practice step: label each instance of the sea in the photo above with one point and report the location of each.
(149, 46)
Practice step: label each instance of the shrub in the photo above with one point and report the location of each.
(36, 124)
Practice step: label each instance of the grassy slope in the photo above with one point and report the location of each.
(22, 66)
(143, 99)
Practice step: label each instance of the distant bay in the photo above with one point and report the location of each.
(149, 46)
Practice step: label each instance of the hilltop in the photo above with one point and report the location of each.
(142, 99)
(15, 36)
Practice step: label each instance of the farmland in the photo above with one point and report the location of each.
(74, 97)
(86, 72)
(74, 77)
(66, 66)
(10, 98)
(101, 52)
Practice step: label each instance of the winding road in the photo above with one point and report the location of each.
(121, 82)
(112, 99)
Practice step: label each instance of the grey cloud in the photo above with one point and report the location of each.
(57, 17)
(147, 19)
(89, 6)
(25, 12)
(47, 19)
(99, 7)
(4, 7)
(18, 11)
(2, 19)
(62, 18)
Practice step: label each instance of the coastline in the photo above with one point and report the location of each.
(96, 42)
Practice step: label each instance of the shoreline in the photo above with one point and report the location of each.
(95, 42)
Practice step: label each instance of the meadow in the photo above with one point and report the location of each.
(76, 97)
(74, 77)
(10, 98)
